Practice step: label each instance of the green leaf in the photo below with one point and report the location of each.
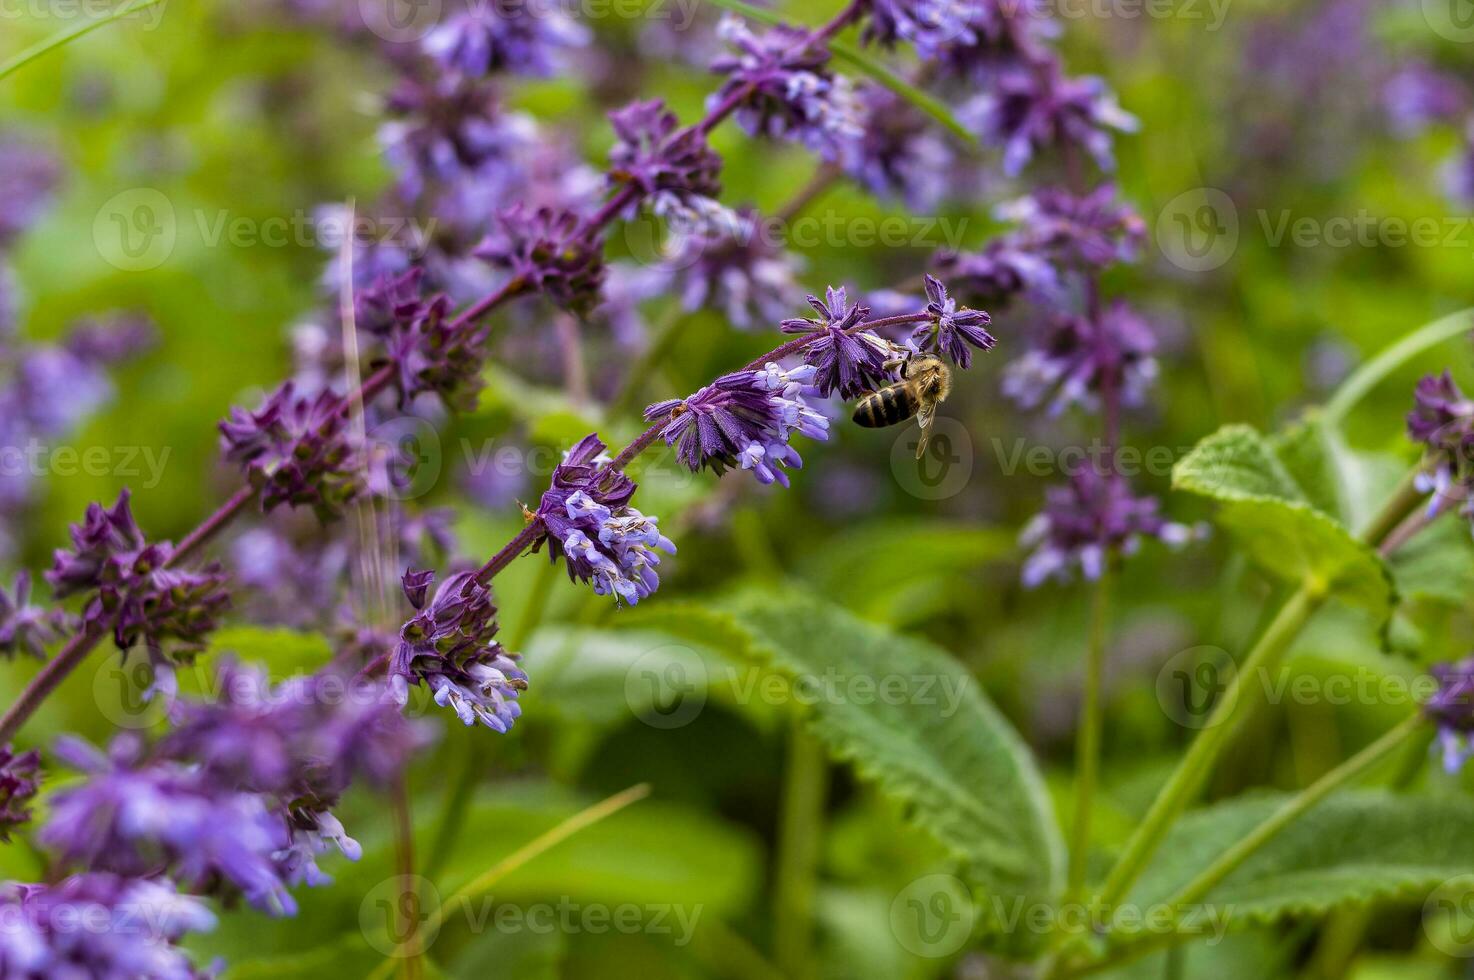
(926, 103)
(934, 742)
(1354, 849)
(1268, 511)
(1437, 564)
(1347, 485)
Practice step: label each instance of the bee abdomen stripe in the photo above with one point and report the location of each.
(895, 406)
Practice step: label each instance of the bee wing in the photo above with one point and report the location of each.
(925, 416)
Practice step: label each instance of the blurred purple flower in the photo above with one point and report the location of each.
(131, 926)
(505, 35)
(593, 529)
(785, 88)
(19, 781)
(1079, 357)
(1418, 95)
(736, 269)
(1092, 230)
(133, 817)
(444, 130)
(548, 251)
(25, 628)
(449, 645)
(296, 451)
(1442, 420)
(743, 419)
(849, 361)
(1087, 518)
(1451, 708)
(28, 179)
(658, 157)
(1006, 269)
(1030, 107)
(899, 153)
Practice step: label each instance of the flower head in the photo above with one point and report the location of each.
(734, 267)
(28, 179)
(785, 88)
(592, 527)
(1091, 230)
(131, 928)
(1031, 107)
(845, 359)
(955, 331)
(1008, 268)
(548, 251)
(450, 646)
(1086, 519)
(655, 155)
(1442, 420)
(136, 593)
(743, 419)
(1080, 357)
(296, 451)
(504, 35)
(23, 627)
(133, 816)
(1452, 709)
(444, 130)
(899, 153)
(19, 782)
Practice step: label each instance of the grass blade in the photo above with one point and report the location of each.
(70, 34)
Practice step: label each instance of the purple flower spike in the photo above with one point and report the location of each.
(434, 354)
(141, 599)
(18, 785)
(1078, 358)
(1005, 270)
(450, 646)
(1086, 519)
(1452, 708)
(951, 330)
(132, 817)
(743, 419)
(296, 450)
(931, 25)
(846, 360)
(900, 154)
(28, 179)
(1031, 108)
(1092, 230)
(26, 628)
(593, 529)
(505, 35)
(659, 158)
(1442, 420)
(786, 89)
(99, 925)
(548, 251)
(444, 130)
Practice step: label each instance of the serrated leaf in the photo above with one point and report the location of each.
(1354, 849)
(1268, 511)
(939, 747)
(1347, 485)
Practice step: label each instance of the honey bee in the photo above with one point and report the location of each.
(925, 383)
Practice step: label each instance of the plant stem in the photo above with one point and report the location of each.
(1203, 752)
(1230, 860)
(1088, 739)
(52, 674)
(798, 853)
(1356, 387)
